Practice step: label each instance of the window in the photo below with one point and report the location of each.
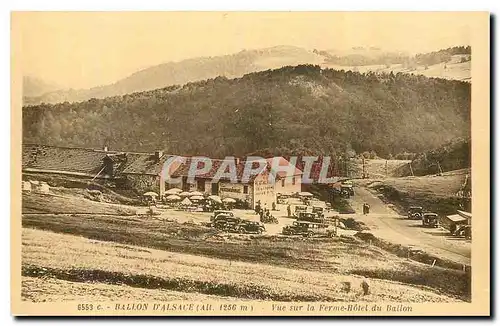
(245, 189)
(293, 181)
(200, 185)
(215, 188)
(282, 182)
(185, 184)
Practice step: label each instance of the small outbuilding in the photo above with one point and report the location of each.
(26, 186)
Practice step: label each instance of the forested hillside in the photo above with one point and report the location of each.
(453, 155)
(288, 109)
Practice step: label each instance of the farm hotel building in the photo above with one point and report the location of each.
(137, 173)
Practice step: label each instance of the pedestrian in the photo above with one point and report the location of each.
(289, 210)
(261, 214)
(257, 207)
(274, 206)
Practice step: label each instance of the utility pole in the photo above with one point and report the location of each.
(411, 169)
(439, 169)
(386, 169)
(364, 172)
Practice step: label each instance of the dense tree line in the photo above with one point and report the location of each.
(297, 110)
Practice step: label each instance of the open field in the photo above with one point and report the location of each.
(343, 256)
(46, 289)
(76, 259)
(455, 70)
(378, 168)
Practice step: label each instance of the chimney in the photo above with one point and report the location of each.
(158, 154)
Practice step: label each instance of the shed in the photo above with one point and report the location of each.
(26, 186)
(44, 188)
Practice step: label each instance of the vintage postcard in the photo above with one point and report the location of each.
(250, 163)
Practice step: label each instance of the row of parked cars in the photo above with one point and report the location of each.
(432, 220)
(226, 221)
(428, 219)
(310, 222)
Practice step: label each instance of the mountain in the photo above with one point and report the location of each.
(360, 59)
(190, 70)
(286, 110)
(33, 86)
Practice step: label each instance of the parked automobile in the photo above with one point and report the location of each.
(282, 199)
(347, 189)
(309, 229)
(319, 211)
(310, 217)
(299, 208)
(246, 226)
(464, 231)
(415, 212)
(226, 223)
(216, 213)
(430, 220)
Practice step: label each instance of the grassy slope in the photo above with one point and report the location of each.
(336, 256)
(434, 193)
(72, 258)
(36, 289)
(68, 204)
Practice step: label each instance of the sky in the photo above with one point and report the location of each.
(86, 49)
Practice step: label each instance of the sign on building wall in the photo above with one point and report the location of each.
(264, 191)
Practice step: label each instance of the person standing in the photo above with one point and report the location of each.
(289, 210)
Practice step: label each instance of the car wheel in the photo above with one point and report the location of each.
(241, 230)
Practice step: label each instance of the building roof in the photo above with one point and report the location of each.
(62, 159)
(144, 163)
(282, 162)
(88, 161)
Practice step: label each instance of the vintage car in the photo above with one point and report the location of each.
(246, 226)
(464, 231)
(430, 220)
(282, 199)
(216, 213)
(347, 189)
(226, 223)
(298, 209)
(309, 229)
(415, 212)
(319, 211)
(310, 217)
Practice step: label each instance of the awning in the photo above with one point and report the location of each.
(464, 214)
(456, 218)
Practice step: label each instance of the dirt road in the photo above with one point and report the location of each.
(385, 223)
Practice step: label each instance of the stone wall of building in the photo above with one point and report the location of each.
(289, 185)
(143, 183)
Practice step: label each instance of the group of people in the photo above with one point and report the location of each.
(264, 212)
